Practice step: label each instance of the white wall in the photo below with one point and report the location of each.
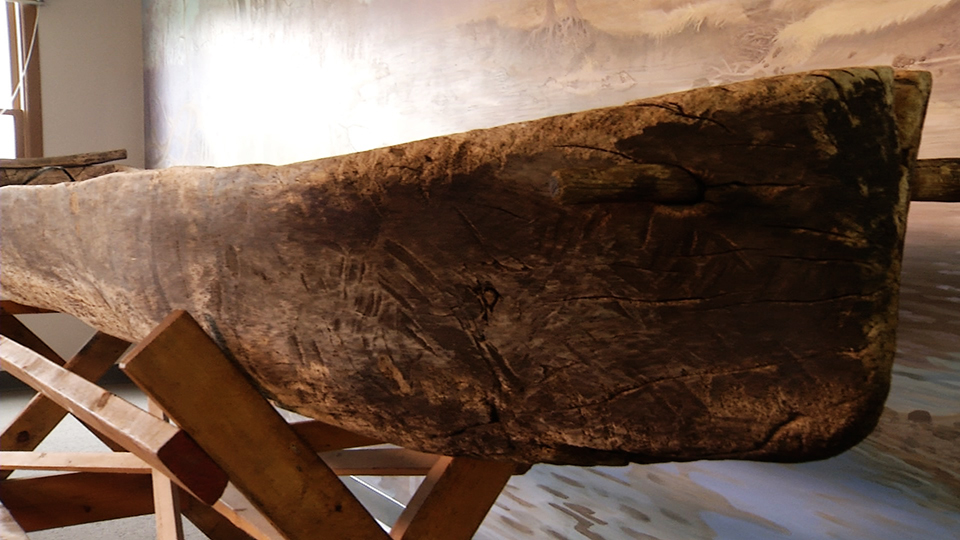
(91, 76)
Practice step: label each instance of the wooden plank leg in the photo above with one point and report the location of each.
(51, 502)
(238, 509)
(452, 500)
(213, 523)
(198, 387)
(163, 446)
(166, 507)
(41, 415)
(118, 462)
(166, 496)
(9, 528)
(323, 437)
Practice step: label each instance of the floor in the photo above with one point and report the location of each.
(903, 482)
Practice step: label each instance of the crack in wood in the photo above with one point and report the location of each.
(677, 109)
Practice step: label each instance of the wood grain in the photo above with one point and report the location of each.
(41, 415)
(437, 296)
(72, 160)
(166, 496)
(185, 372)
(51, 502)
(937, 180)
(163, 446)
(116, 462)
(453, 499)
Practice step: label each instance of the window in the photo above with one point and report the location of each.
(20, 118)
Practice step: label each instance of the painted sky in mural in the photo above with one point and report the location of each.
(264, 80)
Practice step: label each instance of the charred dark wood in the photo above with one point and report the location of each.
(438, 295)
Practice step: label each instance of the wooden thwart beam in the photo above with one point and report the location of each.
(163, 446)
(936, 180)
(181, 368)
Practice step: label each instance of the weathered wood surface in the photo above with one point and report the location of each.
(72, 160)
(56, 169)
(437, 294)
(57, 174)
(937, 180)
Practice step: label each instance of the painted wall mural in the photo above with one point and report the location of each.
(278, 81)
(239, 81)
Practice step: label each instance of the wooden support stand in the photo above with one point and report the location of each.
(282, 476)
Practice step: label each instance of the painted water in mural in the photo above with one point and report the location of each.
(277, 81)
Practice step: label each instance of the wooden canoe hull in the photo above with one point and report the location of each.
(441, 296)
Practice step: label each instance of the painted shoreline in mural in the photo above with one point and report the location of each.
(274, 81)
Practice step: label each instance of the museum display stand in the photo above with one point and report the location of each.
(210, 448)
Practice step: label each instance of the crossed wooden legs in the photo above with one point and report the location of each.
(224, 430)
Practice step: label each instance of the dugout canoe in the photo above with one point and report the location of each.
(711, 274)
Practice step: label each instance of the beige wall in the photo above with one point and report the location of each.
(91, 69)
(91, 76)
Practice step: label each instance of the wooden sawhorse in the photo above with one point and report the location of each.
(227, 452)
